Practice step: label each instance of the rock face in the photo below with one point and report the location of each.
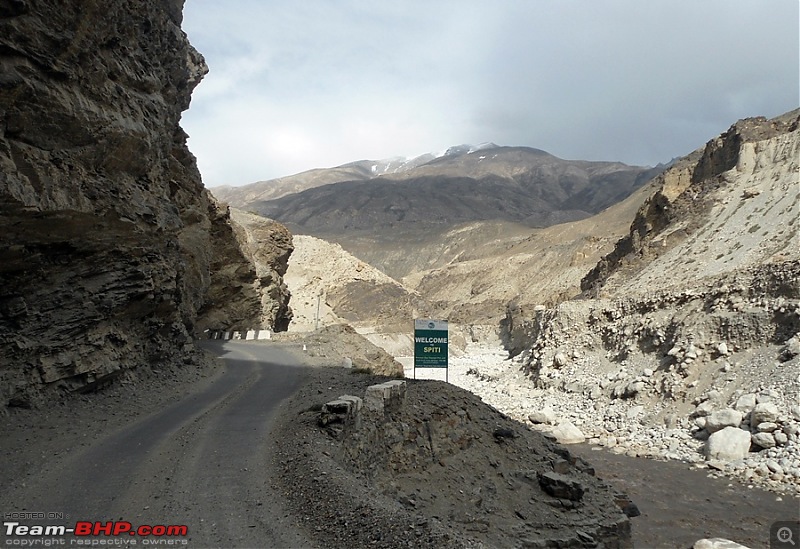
(267, 245)
(706, 208)
(109, 241)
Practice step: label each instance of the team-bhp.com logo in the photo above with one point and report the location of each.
(87, 533)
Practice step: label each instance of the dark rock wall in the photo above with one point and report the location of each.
(106, 241)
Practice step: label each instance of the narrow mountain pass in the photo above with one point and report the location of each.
(201, 462)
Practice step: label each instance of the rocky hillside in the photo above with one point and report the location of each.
(712, 256)
(330, 286)
(505, 183)
(728, 206)
(113, 255)
(544, 267)
(697, 315)
(397, 215)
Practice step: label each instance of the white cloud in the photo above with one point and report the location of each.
(297, 85)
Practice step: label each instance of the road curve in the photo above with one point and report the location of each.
(202, 462)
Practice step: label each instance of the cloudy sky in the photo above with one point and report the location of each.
(300, 84)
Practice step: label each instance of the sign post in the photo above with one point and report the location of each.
(430, 345)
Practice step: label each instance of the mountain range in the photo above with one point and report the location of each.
(372, 207)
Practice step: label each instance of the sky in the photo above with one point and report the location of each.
(301, 84)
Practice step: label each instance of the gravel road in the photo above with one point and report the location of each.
(198, 461)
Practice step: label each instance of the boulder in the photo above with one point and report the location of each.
(764, 440)
(745, 403)
(765, 412)
(791, 349)
(728, 444)
(723, 418)
(561, 486)
(705, 408)
(567, 433)
(545, 415)
(717, 543)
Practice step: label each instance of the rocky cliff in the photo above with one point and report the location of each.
(713, 253)
(745, 178)
(699, 302)
(109, 241)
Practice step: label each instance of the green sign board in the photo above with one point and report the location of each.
(430, 343)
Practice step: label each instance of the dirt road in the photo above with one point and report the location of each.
(198, 462)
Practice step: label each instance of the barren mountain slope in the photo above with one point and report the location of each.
(243, 196)
(405, 251)
(381, 218)
(481, 268)
(736, 206)
(330, 286)
(542, 269)
(504, 183)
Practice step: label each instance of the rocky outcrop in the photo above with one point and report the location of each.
(109, 241)
(248, 289)
(330, 286)
(762, 152)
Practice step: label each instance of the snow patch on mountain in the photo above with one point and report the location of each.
(398, 164)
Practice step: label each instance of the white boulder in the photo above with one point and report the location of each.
(765, 412)
(745, 403)
(567, 433)
(723, 418)
(765, 440)
(728, 444)
(545, 415)
(717, 543)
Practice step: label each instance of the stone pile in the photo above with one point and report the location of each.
(749, 435)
